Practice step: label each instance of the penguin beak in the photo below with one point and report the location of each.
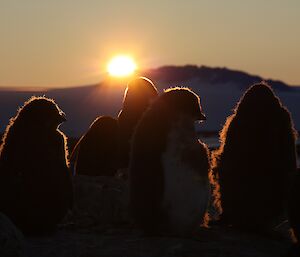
(62, 118)
(202, 117)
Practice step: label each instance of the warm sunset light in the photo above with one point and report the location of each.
(121, 66)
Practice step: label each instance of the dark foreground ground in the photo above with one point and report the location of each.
(116, 243)
(100, 227)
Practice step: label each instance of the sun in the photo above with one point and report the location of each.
(121, 65)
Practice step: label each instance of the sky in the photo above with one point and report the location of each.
(58, 43)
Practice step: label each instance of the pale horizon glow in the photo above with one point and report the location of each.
(62, 43)
(121, 66)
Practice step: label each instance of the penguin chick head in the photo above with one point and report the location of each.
(104, 124)
(184, 101)
(138, 94)
(258, 100)
(40, 112)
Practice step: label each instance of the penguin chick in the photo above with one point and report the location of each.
(169, 167)
(36, 187)
(96, 152)
(255, 161)
(140, 92)
(294, 209)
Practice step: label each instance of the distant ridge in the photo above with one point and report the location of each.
(205, 74)
(219, 90)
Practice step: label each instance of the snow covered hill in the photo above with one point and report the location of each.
(219, 89)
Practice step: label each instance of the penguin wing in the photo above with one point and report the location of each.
(288, 145)
(146, 193)
(196, 156)
(75, 150)
(74, 156)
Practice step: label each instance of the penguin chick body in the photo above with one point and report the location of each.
(36, 188)
(186, 187)
(95, 154)
(169, 188)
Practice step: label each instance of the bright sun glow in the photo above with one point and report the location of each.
(121, 66)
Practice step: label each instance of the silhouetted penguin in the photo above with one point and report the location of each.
(36, 187)
(255, 161)
(294, 211)
(169, 167)
(96, 153)
(139, 93)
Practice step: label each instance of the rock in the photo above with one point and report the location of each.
(11, 239)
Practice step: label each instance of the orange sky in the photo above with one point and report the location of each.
(52, 43)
